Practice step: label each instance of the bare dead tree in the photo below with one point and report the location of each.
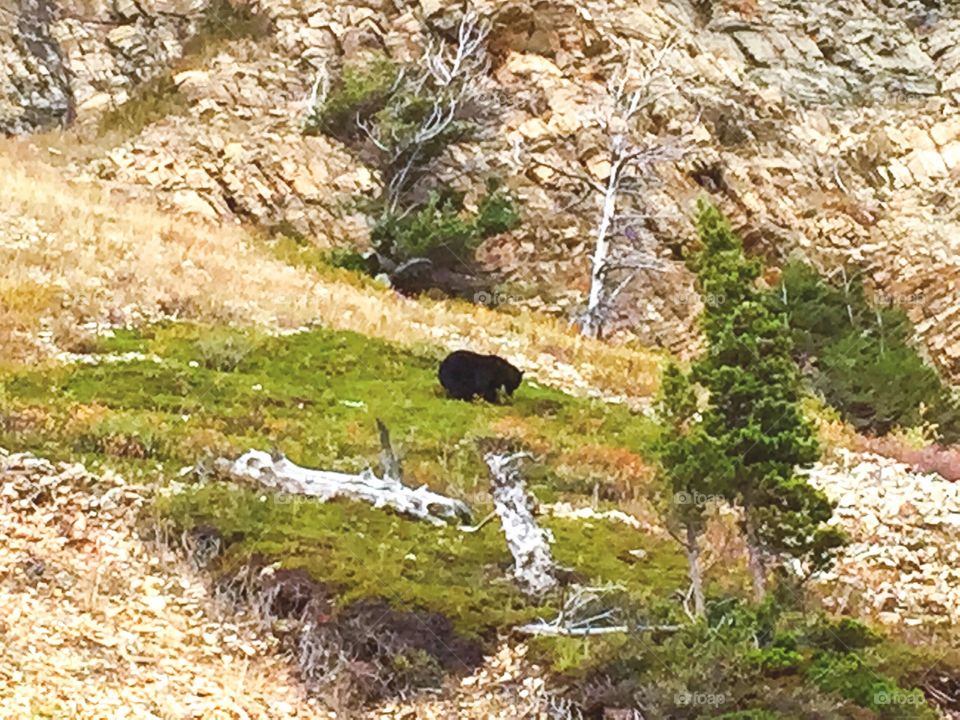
(630, 165)
(534, 567)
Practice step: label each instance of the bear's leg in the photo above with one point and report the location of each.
(490, 394)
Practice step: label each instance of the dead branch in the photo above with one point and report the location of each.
(579, 617)
(469, 54)
(544, 630)
(388, 458)
(279, 473)
(479, 525)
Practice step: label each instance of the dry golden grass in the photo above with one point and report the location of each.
(81, 253)
(104, 625)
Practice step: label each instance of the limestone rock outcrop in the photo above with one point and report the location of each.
(826, 129)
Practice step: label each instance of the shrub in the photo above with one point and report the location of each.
(442, 230)
(775, 661)
(348, 259)
(861, 358)
(843, 635)
(849, 677)
(223, 21)
(361, 91)
(224, 350)
(498, 212)
(402, 120)
(123, 436)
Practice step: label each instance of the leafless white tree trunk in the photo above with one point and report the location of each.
(756, 560)
(630, 173)
(278, 473)
(529, 544)
(692, 548)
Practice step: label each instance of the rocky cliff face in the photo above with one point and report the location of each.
(828, 129)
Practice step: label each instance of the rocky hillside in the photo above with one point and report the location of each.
(829, 130)
(172, 234)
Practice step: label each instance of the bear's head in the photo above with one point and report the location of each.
(512, 377)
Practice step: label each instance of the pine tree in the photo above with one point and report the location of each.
(687, 466)
(753, 416)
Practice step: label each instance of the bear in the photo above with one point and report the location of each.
(465, 375)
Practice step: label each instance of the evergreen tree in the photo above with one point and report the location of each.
(753, 416)
(687, 465)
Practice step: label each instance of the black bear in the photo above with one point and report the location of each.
(465, 374)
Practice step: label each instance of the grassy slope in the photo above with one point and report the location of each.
(91, 256)
(315, 395)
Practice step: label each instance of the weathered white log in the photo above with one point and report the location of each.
(534, 568)
(279, 473)
(548, 630)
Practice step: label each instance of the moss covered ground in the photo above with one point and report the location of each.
(315, 395)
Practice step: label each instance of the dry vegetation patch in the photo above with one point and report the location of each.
(96, 623)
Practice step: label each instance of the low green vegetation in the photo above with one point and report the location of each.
(411, 564)
(224, 21)
(361, 90)
(862, 357)
(749, 663)
(149, 102)
(442, 230)
(315, 395)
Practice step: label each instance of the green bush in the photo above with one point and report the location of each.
(443, 230)
(400, 121)
(861, 358)
(776, 661)
(361, 91)
(223, 21)
(405, 114)
(347, 258)
(498, 212)
(225, 350)
(848, 676)
(843, 635)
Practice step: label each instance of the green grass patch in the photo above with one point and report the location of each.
(149, 102)
(367, 553)
(314, 395)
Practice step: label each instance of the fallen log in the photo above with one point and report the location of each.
(276, 472)
(534, 568)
